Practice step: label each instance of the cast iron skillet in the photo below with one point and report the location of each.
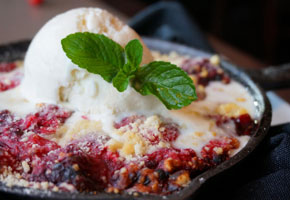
(17, 50)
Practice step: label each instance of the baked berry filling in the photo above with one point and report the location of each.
(7, 83)
(95, 162)
(9, 76)
(244, 124)
(88, 164)
(46, 120)
(204, 71)
(7, 66)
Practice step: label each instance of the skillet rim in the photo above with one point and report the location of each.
(17, 51)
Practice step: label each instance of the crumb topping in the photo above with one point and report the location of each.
(231, 110)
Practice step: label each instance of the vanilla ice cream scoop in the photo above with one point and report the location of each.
(50, 77)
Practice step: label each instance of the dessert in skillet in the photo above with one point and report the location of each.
(93, 110)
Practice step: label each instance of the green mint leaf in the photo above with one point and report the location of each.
(100, 55)
(133, 52)
(166, 81)
(121, 81)
(94, 52)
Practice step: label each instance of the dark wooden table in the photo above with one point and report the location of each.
(20, 20)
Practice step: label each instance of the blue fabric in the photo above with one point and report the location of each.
(265, 174)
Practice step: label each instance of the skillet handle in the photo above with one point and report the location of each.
(272, 77)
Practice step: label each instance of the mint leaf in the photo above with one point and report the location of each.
(94, 52)
(100, 55)
(166, 81)
(121, 81)
(133, 52)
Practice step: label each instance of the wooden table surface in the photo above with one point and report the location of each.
(20, 20)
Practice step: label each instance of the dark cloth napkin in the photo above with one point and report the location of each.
(265, 174)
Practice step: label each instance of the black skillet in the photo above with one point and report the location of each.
(273, 77)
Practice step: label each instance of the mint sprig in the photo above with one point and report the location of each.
(100, 55)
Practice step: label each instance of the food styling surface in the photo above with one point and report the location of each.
(65, 129)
